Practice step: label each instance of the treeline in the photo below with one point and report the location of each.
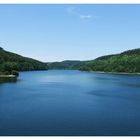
(10, 62)
(67, 64)
(128, 62)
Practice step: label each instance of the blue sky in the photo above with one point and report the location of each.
(69, 32)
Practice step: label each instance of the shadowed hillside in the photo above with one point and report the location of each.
(10, 61)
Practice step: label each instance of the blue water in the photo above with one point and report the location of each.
(66, 102)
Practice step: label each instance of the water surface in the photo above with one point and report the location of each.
(66, 102)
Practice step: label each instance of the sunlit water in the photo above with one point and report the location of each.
(62, 102)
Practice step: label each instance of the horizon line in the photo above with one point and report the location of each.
(67, 59)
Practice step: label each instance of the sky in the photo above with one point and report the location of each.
(69, 32)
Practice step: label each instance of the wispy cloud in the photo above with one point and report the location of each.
(86, 16)
(73, 11)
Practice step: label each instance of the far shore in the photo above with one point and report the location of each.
(101, 72)
(119, 73)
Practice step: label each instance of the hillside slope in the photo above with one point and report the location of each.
(128, 61)
(10, 61)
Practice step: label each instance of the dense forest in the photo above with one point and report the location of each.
(127, 62)
(11, 62)
(67, 64)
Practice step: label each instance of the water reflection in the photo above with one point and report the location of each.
(8, 80)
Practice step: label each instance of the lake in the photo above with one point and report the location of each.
(70, 102)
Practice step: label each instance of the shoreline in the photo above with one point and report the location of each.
(117, 73)
(8, 76)
(102, 72)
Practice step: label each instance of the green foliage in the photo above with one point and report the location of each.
(9, 66)
(128, 61)
(68, 64)
(6, 73)
(11, 61)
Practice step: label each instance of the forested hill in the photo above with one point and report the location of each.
(67, 64)
(10, 61)
(127, 62)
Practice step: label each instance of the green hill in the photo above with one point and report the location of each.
(67, 64)
(127, 62)
(10, 61)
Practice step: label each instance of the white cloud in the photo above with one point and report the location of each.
(86, 16)
(73, 11)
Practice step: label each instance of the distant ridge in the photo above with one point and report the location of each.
(67, 64)
(125, 62)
